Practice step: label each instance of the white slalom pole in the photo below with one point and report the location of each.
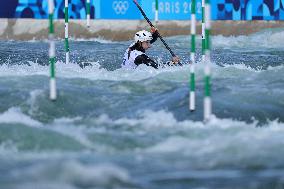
(203, 30)
(207, 71)
(88, 6)
(157, 12)
(66, 32)
(192, 57)
(52, 95)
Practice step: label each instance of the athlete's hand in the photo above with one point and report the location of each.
(153, 30)
(176, 59)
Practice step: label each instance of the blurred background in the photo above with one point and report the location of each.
(27, 19)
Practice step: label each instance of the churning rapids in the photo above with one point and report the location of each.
(131, 129)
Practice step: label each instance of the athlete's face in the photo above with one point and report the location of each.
(146, 45)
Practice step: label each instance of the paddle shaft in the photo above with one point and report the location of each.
(150, 23)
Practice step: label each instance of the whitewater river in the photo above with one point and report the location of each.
(131, 129)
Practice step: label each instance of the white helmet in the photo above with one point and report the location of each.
(143, 36)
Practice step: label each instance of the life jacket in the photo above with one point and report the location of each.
(128, 63)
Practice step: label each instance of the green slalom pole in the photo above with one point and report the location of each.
(192, 57)
(52, 95)
(157, 12)
(88, 13)
(203, 30)
(207, 98)
(66, 32)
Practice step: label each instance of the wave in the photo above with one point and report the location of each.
(160, 133)
(267, 39)
(149, 119)
(240, 142)
(99, 40)
(96, 72)
(15, 115)
(71, 173)
(263, 40)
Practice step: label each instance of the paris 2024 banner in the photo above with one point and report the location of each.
(126, 9)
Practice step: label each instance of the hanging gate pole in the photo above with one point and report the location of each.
(207, 98)
(157, 12)
(52, 95)
(88, 7)
(66, 32)
(192, 57)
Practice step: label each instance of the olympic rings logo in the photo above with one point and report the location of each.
(120, 7)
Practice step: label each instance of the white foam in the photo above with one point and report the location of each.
(100, 40)
(242, 67)
(65, 127)
(268, 39)
(258, 41)
(90, 72)
(32, 101)
(224, 136)
(93, 175)
(15, 115)
(72, 171)
(24, 70)
(276, 68)
(162, 119)
(203, 138)
(66, 120)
